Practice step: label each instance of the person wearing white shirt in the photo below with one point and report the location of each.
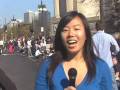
(29, 48)
(102, 45)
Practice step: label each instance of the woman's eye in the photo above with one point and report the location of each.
(65, 30)
(77, 29)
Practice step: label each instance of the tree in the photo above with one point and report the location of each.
(106, 13)
(116, 15)
(110, 15)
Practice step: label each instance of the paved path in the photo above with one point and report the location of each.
(21, 70)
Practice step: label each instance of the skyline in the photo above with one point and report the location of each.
(17, 8)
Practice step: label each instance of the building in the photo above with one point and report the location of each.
(39, 20)
(53, 25)
(13, 23)
(41, 23)
(56, 9)
(29, 17)
(90, 8)
(62, 6)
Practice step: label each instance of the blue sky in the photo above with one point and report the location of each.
(16, 8)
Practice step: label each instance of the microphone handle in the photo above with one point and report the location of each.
(72, 82)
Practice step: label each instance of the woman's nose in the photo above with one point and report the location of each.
(71, 32)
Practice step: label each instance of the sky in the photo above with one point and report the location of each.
(17, 8)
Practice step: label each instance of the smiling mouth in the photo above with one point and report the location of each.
(71, 42)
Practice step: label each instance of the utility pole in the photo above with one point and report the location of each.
(13, 22)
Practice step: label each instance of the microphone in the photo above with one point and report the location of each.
(72, 73)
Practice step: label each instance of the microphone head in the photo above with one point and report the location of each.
(72, 73)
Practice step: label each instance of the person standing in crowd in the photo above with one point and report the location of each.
(118, 41)
(102, 43)
(5, 82)
(29, 45)
(11, 48)
(116, 66)
(73, 49)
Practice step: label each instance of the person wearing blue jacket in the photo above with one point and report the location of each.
(73, 49)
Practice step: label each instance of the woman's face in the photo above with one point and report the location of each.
(73, 35)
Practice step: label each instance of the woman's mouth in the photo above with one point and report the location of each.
(71, 42)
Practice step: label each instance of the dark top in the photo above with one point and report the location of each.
(117, 68)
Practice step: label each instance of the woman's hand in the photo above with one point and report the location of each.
(70, 88)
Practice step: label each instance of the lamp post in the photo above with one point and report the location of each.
(41, 17)
(13, 22)
(6, 35)
(5, 30)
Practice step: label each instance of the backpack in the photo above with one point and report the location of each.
(112, 48)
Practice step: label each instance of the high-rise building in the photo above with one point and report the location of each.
(28, 17)
(39, 20)
(42, 20)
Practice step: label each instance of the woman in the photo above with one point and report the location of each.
(73, 49)
(11, 48)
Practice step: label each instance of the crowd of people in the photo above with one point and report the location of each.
(28, 47)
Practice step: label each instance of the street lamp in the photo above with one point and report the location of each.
(41, 9)
(13, 22)
(6, 35)
(5, 29)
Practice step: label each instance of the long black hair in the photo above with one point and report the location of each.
(61, 52)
